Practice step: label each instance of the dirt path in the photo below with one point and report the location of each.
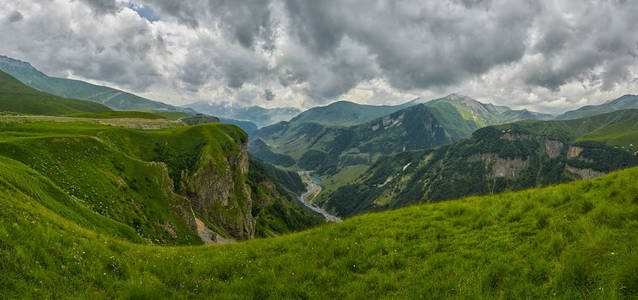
(313, 190)
(208, 236)
(93, 119)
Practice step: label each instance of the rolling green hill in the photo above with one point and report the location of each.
(159, 183)
(570, 241)
(494, 159)
(18, 98)
(76, 89)
(624, 102)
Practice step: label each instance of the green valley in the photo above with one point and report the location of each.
(568, 241)
(494, 159)
(341, 140)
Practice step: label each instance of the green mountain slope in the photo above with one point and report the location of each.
(329, 149)
(19, 98)
(322, 128)
(158, 182)
(624, 102)
(77, 89)
(570, 241)
(474, 114)
(315, 139)
(344, 113)
(494, 159)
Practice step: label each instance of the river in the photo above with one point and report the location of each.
(313, 190)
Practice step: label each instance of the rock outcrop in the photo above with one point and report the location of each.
(217, 190)
(584, 173)
(501, 167)
(553, 148)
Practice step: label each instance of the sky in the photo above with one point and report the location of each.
(545, 55)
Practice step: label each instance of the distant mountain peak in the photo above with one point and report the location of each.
(77, 89)
(341, 102)
(455, 96)
(12, 63)
(628, 101)
(629, 98)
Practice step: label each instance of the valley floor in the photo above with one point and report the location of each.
(312, 190)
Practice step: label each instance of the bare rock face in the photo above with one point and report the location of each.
(501, 167)
(584, 173)
(217, 190)
(516, 137)
(553, 148)
(574, 151)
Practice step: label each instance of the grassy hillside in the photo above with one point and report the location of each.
(624, 102)
(19, 98)
(495, 159)
(77, 89)
(199, 119)
(172, 115)
(344, 113)
(570, 241)
(157, 182)
(462, 115)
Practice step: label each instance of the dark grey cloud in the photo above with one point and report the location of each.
(15, 16)
(596, 44)
(269, 95)
(119, 49)
(102, 6)
(416, 45)
(245, 21)
(317, 51)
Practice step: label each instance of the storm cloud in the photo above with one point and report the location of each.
(543, 55)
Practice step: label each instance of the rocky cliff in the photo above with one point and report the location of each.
(219, 193)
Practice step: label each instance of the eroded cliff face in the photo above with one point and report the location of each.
(501, 167)
(584, 173)
(217, 191)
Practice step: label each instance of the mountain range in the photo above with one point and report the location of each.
(16, 97)
(76, 89)
(352, 137)
(624, 102)
(255, 114)
(494, 159)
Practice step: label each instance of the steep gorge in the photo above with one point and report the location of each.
(159, 182)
